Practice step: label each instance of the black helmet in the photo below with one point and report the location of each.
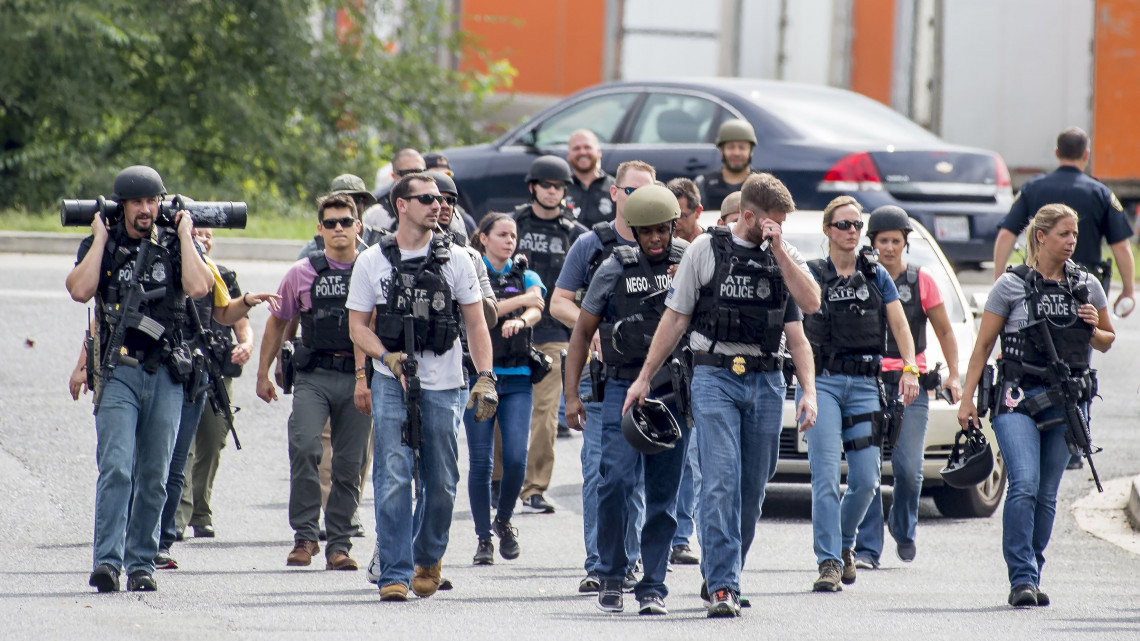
(650, 428)
(888, 218)
(444, 182)
(549, 168)
(971, 462)
(137, 181)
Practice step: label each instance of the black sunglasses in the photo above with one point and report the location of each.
(546, 184)
(844, 225)
(331, 223)
(628, 190)
(408, 172)
(425, 199)
(450, 200)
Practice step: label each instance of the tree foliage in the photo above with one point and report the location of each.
(264, 100)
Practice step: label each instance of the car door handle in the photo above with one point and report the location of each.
(693, 164)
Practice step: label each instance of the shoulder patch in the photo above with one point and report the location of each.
(1115, 202)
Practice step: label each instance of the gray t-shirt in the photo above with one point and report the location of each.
(696, 270)
(1007, 299)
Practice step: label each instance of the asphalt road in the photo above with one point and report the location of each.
(237, 585)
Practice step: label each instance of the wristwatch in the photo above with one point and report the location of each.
(910, 368)
(487, 373)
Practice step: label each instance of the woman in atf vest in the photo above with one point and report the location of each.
(1047, 298)
(888, 229)
(521, 297)
(848, 336)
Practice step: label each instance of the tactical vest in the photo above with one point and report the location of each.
(851, 319)
(607, 235)
(638, 304)
(1055, 303)
(746, 299)
(909, 296)
(162, 271)
(513, 351)
(418, 289)
(545, 244)
(324, 327)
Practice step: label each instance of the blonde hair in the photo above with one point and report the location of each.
(1044, 221)
(829, 213)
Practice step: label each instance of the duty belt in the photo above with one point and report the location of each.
(927, 380)
(335, 362)
(627, 373)
(848, 367)
(739, 364)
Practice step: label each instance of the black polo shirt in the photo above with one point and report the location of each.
(591, 204)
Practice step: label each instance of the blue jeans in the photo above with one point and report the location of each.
(192, 409)
(407, 539)
(516, 399)
(1034, 463)
(833, 521)
(737, 421)
(135, 429)
(591, 455)
(906, 468)
(622, 470)
(687, 496)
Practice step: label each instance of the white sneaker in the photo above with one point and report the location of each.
(373, 573)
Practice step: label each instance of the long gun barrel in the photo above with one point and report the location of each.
(216, 387)
(412, 433)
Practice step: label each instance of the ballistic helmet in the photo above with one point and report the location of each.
(888, 218)
(444, 182)
(970, 462)
(549, 168)
(352, 185)
(651, 205)
(735, 129)
(650, 428)
(137, 181)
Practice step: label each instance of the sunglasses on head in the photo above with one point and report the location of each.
(425, 199)
(628, 190)
(331, 223)
(408, 172)
(844, 225)
(546, 184)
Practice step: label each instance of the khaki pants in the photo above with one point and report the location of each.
(544, 424)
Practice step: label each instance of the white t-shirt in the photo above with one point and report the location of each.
(371, 280)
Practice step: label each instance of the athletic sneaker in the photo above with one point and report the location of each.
(848, 566)
(589, 584)
(609, 597)
(163, 561)
(651, 604)
(104, 578)
(484, 553)
(373, 572)
(864, 561)
(629, 582)
(724, 603)
(537, 504)
(508, 539)
(906, 551)
(1042, 598)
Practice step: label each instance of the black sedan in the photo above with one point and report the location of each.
(821, 141)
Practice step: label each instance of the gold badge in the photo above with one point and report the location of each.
(738, 366)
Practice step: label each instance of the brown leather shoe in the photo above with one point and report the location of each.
(303, 553)
(394, 592)
(340, 560)
(426, 580)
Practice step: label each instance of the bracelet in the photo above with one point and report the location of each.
(361, 367)
(360, 376)
(244, 301)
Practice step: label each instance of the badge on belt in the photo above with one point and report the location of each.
(738, 367)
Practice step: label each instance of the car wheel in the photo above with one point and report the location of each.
(977, 502)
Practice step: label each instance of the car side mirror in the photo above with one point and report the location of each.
(529, 138)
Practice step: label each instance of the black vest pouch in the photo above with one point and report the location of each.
(303, 360)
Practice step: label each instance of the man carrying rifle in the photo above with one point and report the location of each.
(328, 385)
(140, 274)
(408, 295)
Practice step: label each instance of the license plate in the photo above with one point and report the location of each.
(801, 442)
(953, 228)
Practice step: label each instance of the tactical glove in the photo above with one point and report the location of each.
(483, 398)
(395, 362)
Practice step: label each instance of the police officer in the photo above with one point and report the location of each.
(740, 289)
(582, 262)
(315, 289)
(625, 301)
(416, 281)
(546, 231)
(736, 139)
(139, 401)
(1101, 216)
(888, 229)
(589, 192)
(1049, 288)
(729, 209)
(352, 185)
(848, 337)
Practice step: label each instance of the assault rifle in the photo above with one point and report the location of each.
(1064, 390)
(212, 364)
(125, 314)
(412, 432)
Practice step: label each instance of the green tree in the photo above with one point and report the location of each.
(264, 100)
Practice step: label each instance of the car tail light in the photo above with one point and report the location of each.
(1001, 174)
(853, 172)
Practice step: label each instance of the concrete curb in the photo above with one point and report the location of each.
(224, 248)
(1133, 507)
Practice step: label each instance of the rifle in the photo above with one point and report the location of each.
(412, 433)
(125, 315)
(216, 386)
(1065, 391)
